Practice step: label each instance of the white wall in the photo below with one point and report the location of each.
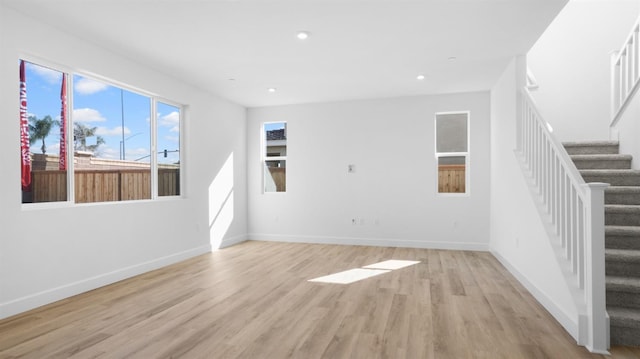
(392, 193)
(54, 252)
(518, 237)
(571, 61)
(627, 131)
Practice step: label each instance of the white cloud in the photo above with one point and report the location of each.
(172, 138)
(108, 152)
(103, 131)
(137, 152)
(50, 76)
(86, 86)
(170, 120)
(87, 115)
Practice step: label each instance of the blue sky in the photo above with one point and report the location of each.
(273, 126)
(96, 104)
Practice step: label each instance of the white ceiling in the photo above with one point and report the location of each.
(357, 49)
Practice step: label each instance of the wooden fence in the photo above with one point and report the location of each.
(168, 182)
(103, 185)
(451, 179)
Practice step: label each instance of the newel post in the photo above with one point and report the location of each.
(595, 295)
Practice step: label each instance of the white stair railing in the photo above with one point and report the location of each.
(574, 215)
(625, 73)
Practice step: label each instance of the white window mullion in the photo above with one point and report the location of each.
(154, 151)
(71, 183)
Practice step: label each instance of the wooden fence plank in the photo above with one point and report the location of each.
(103, 185)
(451, 179)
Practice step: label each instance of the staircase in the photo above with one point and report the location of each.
(599, 161)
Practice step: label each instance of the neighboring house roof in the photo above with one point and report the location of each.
(276, 135)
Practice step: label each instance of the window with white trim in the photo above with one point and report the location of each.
(168, 118)
(43, 153)
(452, 151)
(108, 147)
(274, 156)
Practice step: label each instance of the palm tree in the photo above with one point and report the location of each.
(39, 129)
(80, 134)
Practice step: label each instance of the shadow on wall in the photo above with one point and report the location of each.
(221, 203)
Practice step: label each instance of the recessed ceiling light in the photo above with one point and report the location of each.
(303, 35)
(271, 89)
(451, 58)
(420, 77)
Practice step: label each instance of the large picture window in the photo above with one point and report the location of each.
(274, 156)
(452, 151)
(108, 140)
(111, 142)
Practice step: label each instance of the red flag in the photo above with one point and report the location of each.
(25, 153)
(63, 124)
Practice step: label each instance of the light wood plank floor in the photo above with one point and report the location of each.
(253, 300)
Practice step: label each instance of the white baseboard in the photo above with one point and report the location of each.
(568, 323)
(48, 296)
(378, 242)
(232, 241)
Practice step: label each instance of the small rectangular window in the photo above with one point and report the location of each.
(168, 129)
(274, 156)
(452, 152)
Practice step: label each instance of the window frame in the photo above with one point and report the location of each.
(264, 155)
(466, 155)
(70, 72)
(154, 143)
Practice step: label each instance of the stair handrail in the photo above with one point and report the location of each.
(625, 73)
(573, 213)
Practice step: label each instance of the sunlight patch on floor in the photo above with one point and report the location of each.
(349, 276)
(371, 270)
(391, 264)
